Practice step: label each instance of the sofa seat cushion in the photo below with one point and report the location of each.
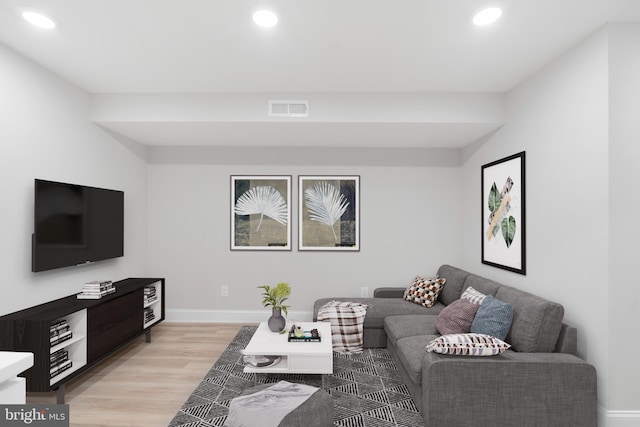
(410, 352)
(379, 308)
(409, 325)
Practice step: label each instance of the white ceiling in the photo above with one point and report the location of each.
(329, 46)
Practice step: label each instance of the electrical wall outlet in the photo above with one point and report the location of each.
(364, 292)
(224, 291)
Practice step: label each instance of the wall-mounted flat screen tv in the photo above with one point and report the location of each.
(75, 224)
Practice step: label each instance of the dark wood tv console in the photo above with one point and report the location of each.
(99, 327)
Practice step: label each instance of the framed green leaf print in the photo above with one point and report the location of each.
(503, 213)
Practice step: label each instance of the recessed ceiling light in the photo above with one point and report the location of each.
(265, 18)
(487, 16)
(39, 20)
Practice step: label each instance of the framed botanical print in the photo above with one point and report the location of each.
(503, 213)
(329, 213)
(261, 212)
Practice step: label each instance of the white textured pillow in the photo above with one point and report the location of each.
(472, 295)
(467, 345)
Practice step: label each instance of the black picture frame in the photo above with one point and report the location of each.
(261, 212)
(503, 213)
(333, 224)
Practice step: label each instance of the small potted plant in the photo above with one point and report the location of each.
(275, 297)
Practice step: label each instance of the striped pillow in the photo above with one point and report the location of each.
(467, 345)
(472, 295)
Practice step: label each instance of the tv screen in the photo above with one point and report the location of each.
(76, 224)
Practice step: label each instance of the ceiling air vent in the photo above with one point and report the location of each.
(288, 108)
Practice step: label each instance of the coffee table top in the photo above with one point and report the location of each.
(265, 342)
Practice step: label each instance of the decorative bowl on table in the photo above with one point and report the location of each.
(259, 361)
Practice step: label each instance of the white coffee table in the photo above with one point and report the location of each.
(295, 357)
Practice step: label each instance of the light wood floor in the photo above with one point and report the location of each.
(144, 385)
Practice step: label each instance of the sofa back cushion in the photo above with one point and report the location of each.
(481, 284)
(536, 321)
(453, 287)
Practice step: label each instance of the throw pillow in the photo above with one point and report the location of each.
(406, 291)
(472, 295)
(456, 318)
(424, 291)
(493, 318)
(467, 345)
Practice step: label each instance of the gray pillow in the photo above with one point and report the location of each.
(493, 318)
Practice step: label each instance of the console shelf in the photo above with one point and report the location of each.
(98, 328)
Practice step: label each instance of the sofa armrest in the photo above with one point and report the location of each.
(567, 341)
(538, 389)
(389, 292)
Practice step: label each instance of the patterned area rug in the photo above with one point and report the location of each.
(366, 388)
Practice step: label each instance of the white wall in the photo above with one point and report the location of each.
(45, 133)
(624, 211)
(559, 117)
(582, 202)
(409, 226)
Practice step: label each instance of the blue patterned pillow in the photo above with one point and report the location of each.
(493, 318)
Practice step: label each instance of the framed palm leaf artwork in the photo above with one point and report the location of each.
(329, 213)
(503, 213)
(261, 212)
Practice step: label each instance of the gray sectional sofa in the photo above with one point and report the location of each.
(539, 381)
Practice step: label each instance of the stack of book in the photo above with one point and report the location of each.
(59, 331)
(59, 362)
(150, 295)
(149, 315)
(96, 289)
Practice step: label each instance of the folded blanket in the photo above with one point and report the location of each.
(268, 407)
(346, 320)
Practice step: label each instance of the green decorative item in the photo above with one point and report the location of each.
(275, 297)
(503, 213)
(509, 230)
(494, 198)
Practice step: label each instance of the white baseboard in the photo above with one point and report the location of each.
(618, 418)
(230, 316)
